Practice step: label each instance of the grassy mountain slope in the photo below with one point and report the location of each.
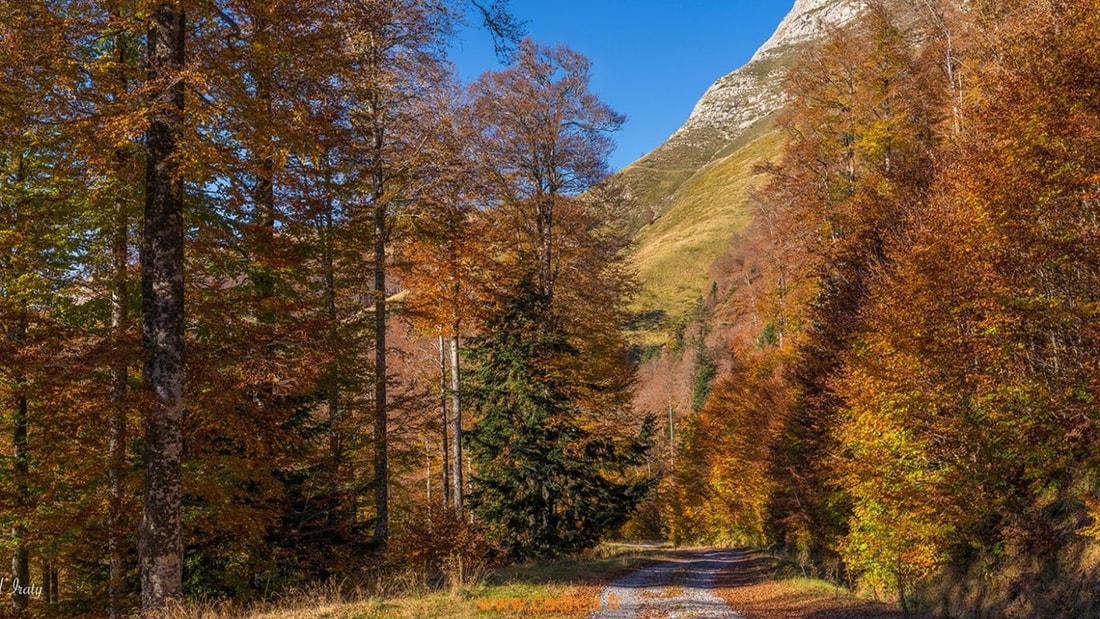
(673, 253)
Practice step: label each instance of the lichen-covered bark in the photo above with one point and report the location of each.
(161, 546)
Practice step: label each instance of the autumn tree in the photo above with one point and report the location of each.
(114, 205)
(549, 139)
(962, 391)
(924, 408)
(545, 139)
(442, 265)
(857, 160)
(41, 343)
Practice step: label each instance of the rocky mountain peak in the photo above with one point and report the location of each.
(808, 20)
(689, 196)
(741, 98)
(733, 104)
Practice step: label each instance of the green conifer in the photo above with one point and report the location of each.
(543, 484)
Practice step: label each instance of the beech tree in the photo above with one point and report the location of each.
(545, 139)
(548, 138)
(861, 127)
(389, 49)
(115, 206)
(443, 265)
(162, 284)
(926, 410)
(954, 420)
(280, 158)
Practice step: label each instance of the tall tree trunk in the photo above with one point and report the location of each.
(116, 465)
(161, 543)
(381, 443)
(47, 590)
(456, 453)
(48, 584)
(428, 476)
(328, 259)
(20, 563)
(263, 192)
(446, 429)
(544, 226)
(54, 587)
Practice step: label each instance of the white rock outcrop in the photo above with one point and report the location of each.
(808, 20)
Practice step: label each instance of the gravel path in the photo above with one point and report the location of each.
(679, 588)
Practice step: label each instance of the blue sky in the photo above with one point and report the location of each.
(651, 59)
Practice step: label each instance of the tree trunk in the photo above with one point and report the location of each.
(47, 581)
(116, 465)
(444, 425)
(20, 563)
(160, 543)
(328, 262)
(263, 192)
(456, 407)
(381, 457)
(544, 226)
(55, 596)
(20, 466)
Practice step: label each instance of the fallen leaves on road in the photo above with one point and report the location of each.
(749, 588)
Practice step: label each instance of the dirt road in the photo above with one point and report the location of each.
(680, 587)
(728, 584)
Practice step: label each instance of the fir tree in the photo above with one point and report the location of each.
(543, 484)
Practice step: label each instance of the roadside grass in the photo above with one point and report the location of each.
(566, 588)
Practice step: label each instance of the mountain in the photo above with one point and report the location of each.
(690, 195)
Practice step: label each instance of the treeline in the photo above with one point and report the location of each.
(912, 404)
(213, 214)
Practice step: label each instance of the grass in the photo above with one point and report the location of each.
(673, 254)
(541, 587)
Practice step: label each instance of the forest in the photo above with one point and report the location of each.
(911, 365)
(282, 301)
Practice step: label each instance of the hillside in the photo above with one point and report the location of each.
(690, 195)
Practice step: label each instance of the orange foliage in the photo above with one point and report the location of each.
(927, 309)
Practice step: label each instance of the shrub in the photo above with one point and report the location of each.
(440, 546)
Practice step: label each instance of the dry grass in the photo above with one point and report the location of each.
(673, 254)
(467, 604)
(540, 585)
